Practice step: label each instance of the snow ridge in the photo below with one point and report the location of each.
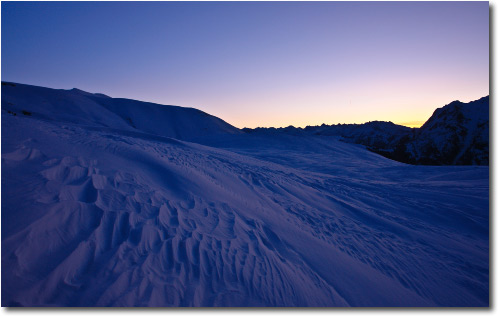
(80, 107)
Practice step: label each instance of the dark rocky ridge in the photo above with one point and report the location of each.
(456, 134)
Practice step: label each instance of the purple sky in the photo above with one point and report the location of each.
(258, 63)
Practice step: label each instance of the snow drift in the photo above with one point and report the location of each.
(97, 212)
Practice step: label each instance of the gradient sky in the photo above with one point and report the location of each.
(258, 63)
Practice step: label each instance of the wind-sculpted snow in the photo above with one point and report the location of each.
(97, 218)
(102, 216)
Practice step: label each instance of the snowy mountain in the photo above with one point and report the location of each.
(104, 203)
(376, 135)
(98, 110)
(456, 134)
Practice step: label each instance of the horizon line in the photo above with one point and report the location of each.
(409, 124)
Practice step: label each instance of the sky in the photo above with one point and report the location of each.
(257, 63)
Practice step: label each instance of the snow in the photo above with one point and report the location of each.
(461, 129)
(97, 212)
(98, 110)
(456, 134)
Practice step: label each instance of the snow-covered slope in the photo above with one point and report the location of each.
(456, 134)
(80, 107)
(100, 216)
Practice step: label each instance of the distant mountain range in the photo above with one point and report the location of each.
(456, 134)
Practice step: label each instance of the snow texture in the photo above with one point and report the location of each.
(114, 202)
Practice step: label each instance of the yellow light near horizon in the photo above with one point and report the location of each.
(414, 124)
(300, 122)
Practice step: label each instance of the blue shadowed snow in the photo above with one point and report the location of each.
(98, 212)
